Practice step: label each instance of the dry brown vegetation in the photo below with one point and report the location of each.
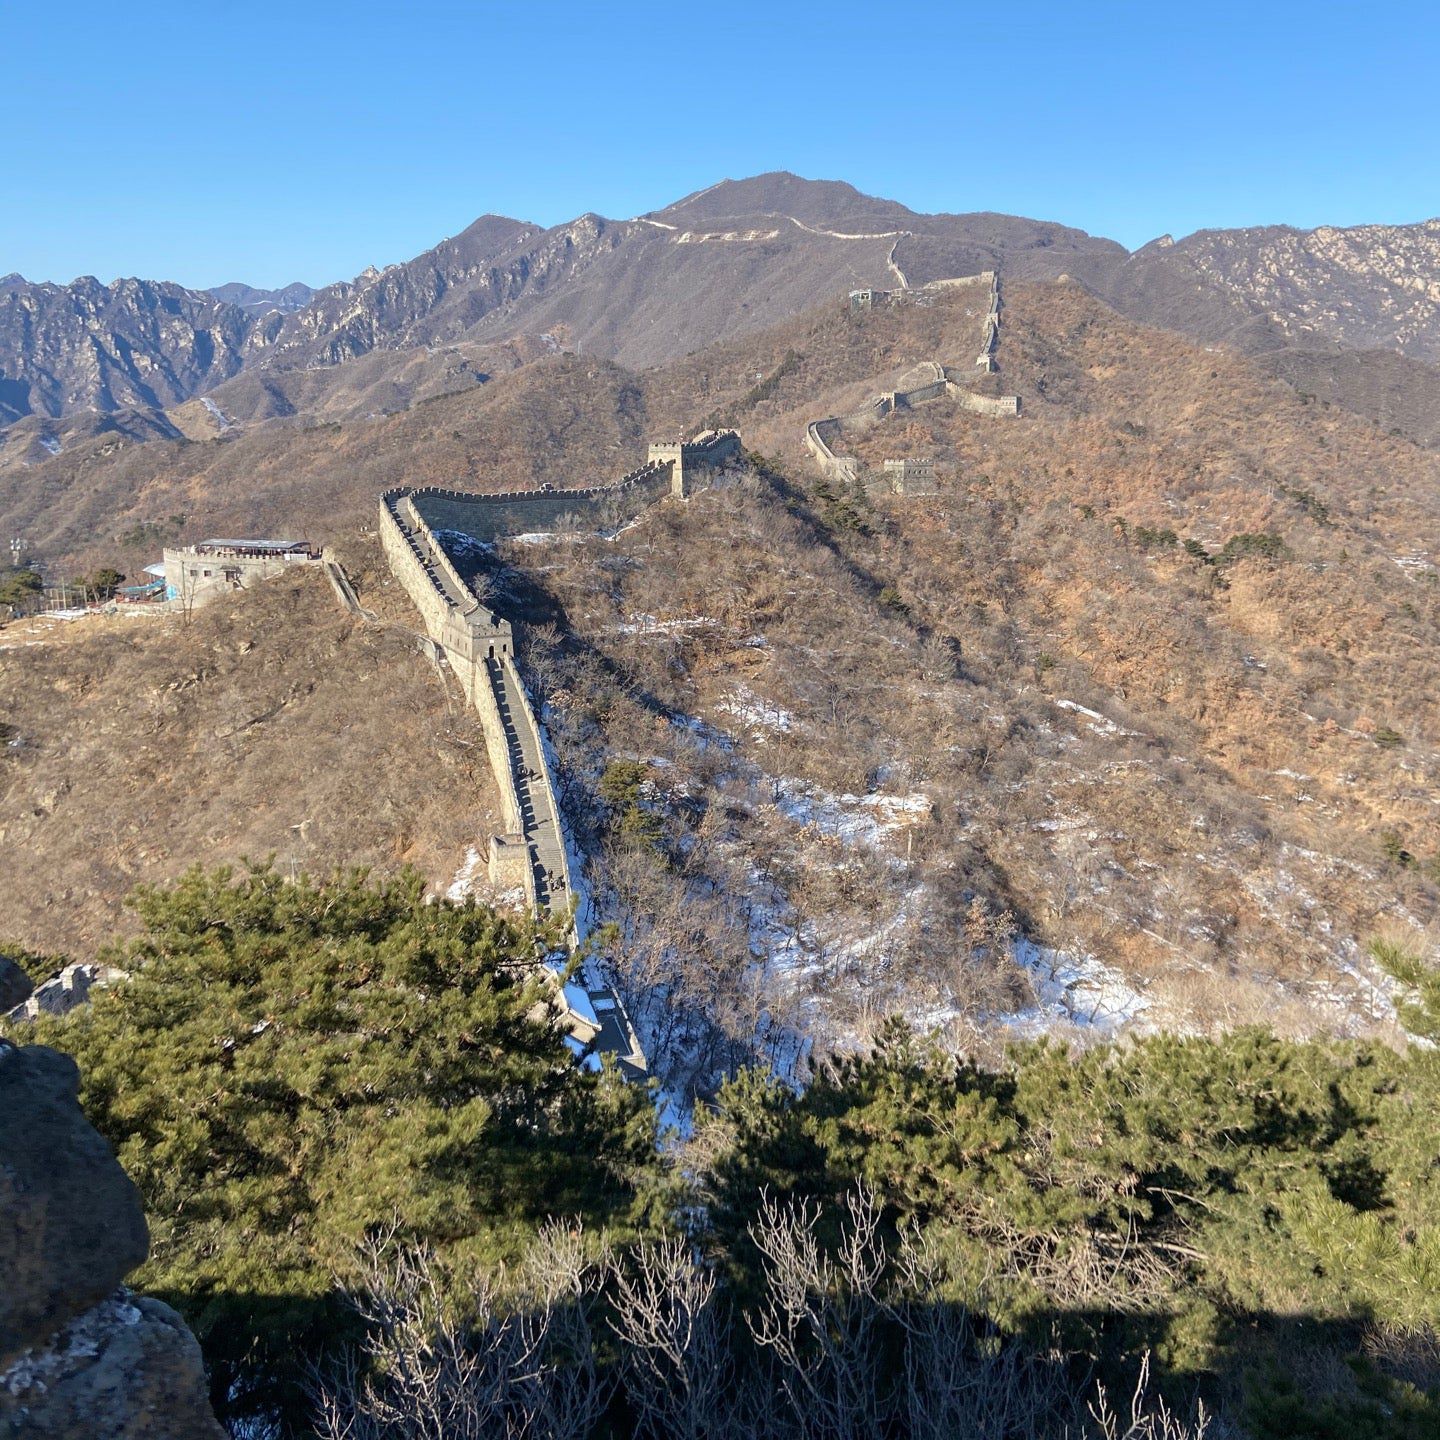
(1263, 732)
(1253, 795)
(269, 724)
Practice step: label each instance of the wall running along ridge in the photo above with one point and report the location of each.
(823, 436)
(479, 646)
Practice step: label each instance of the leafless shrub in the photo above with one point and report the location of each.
(844, 1342)
(516, 1364)
(821, 1318)
(676, 1344)
(1146, 1419)
(960, 1382)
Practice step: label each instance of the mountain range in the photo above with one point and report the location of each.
(726, 261)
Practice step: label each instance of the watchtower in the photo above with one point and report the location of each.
(671, 453)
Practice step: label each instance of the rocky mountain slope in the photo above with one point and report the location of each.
(1153, 673)
(1369, 287)
(131, 344)
(253, 301)
(728, 260)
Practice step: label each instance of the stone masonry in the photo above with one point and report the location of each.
(928, 381)
(479, 646)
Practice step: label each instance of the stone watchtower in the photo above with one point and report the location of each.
(671, 453)
(687, 458)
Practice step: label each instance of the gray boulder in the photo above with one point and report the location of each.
(15, 986)
(127, 1369)
(73, 1226)
(80, 1357)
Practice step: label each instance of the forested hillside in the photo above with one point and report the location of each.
(341, 1090)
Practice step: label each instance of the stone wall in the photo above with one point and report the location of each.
(872, 299)
(526, 512)
(194, 578)
(818, 435)
(65, 992)
(909, 476)
(478, 645)
(410, 566)
(991, 331)
(928, 381)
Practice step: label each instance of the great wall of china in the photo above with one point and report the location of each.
(930, 380)
(532, 856)
(479, 646)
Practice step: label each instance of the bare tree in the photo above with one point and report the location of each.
(821, 1318)
(960, 1381)
(520, 1366)
(677, 1345)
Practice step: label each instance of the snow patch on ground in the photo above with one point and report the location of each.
(1099, 724)
(462, 887)
(1073, 992)
(649, 625)
(458, 542)
(759, 715)
(851, 819)
(1363, 996)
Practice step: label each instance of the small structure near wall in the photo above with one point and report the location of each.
(200, 572)
(511, 862)
(910, 476)
(67, 991)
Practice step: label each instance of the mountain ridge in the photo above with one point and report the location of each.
(728, 259)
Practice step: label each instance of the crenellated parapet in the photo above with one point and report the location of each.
(532, 855)
(927, 382)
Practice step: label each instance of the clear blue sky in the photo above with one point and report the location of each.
(211, 141)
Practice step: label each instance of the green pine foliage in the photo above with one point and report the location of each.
(622, 789)
(293, 1065)
(1184, 1196)
(18, 585)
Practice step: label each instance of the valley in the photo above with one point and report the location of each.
(1116, 730)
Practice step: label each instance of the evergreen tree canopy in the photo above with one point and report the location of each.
(1156, 1194)
(292, 1065)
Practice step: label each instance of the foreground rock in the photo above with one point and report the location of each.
(125, 1369)
(15, 986)
(79, 1356)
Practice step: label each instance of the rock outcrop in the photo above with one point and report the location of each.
(79, 1355)
(15, 986)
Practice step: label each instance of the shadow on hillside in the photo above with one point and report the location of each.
(887, 1361)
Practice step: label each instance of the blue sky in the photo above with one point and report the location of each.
(211, 141)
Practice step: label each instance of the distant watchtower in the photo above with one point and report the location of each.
(710, 448)
(671, 453)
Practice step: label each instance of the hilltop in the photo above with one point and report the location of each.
(729, 260)
(270, 725)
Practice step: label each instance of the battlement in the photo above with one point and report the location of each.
(871, 298)
(532, 856)
(709, 448)
(928, 381)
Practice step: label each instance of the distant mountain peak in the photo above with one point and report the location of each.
(255, 301)
(781, 192)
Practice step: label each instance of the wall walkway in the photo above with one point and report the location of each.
(479, 647)
(932, 382)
